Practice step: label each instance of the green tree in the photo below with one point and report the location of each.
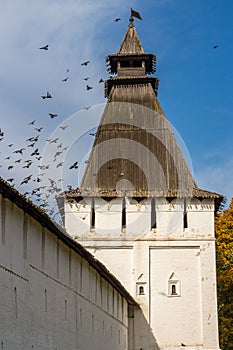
(224, 254)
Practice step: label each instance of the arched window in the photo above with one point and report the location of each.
(141, 290)
(174, 289)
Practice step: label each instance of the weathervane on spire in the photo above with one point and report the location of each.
(135, 14)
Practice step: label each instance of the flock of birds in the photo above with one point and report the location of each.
(29, 156)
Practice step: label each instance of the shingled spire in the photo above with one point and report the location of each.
(131, 43)
(135, 152)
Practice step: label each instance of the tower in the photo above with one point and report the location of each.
(140, 212)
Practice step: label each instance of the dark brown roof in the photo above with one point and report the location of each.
(131, 43)
(9, 192)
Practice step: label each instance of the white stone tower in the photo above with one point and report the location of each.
(140, 212)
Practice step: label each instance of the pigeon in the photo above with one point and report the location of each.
(92, 134)
(19, 150)
(48, 95)
(65, 79)
(88, 107)
(39, 129)
(117, 19)
(86, 78)
(32, 123)
(46, 47)
(52, 115)
(63, 127)
(101, 81)
(35, 152)
(89, 87)
(74, 166)
(215, 46)
(85, 63)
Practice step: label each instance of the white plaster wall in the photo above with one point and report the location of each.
(176, 319)
(50, 297)
(147, 257)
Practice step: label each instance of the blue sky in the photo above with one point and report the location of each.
(195, 88)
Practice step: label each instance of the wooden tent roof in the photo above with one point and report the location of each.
(131, 43)
(135, 152)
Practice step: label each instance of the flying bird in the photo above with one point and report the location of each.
(86, 78)
(39, 129)
(117, 19)
(215, 46)
(101, 81)
(85, 63)
(92, 134)
(46, 47)
(19, 150)
(32, 123)
(63, 127)
(74, 166)
(52, 115)
(35, 152)
(48, 95)
(65, 79)
(88, 107)
(89, 87)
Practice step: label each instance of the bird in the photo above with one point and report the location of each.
(85, 63)
(92, 134)
(101, 81)
(10, 179)
(32, 123)
(89, 87)
(182, 344)
(86, 78)
(52, 115)
(215, 46)
(1, 132)
(10, 145)
(54, 140)
(74, 166)
(88, 107)
(65, 79)
(35, 152)
(117, 19)
(39, 129)
(20, 150)
(48, 95)
(121, 174)
(10, 167)
(63, 127)
(18, 161)
(46, 47)
(31, 144)
(59, 164)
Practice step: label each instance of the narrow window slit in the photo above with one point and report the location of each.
(123, 218)
(153, 214)
(185, 214)
(92, 214)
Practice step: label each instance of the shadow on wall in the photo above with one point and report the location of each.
(140, 335)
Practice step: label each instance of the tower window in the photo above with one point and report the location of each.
(141, 288)
(185, 214)
(174, 289)
(153, 214)
(92, 214)
(123, 218)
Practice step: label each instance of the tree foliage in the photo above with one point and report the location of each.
(224, 250)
